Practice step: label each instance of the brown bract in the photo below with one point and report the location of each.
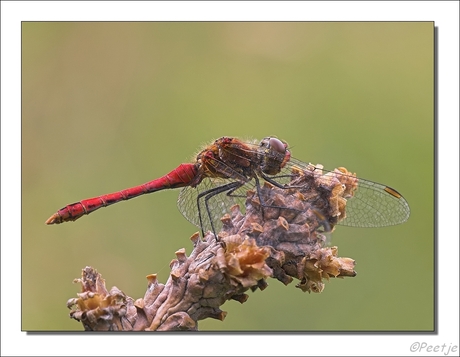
(281, 234)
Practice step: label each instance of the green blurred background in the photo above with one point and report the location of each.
(106, 106)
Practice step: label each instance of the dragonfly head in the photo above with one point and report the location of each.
(274, 155)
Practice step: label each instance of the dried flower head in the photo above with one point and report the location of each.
(281, 234)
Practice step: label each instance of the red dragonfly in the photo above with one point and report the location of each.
(224, 171)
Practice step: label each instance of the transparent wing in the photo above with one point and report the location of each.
(372, 205)
(375, 205)
(218, 204)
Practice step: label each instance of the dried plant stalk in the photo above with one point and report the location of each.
(279, 235)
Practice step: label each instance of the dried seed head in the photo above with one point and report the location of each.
(246, 261)
(290, 221)
(280, 235)
(97, 308)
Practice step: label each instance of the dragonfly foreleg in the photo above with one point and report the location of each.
(274, 182)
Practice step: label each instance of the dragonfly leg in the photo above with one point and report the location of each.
(274, 182)
(262, 204)
(232, 186)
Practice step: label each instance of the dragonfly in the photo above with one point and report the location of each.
(225, 170)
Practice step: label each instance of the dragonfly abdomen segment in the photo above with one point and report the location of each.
(181, 176)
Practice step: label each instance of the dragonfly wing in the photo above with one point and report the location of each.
(186, 203)
(372, 205)
(375, 205)
(218, 204)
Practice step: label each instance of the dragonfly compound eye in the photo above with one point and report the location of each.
(273, 155)
(277, 145)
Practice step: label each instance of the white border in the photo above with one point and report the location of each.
(15, 342)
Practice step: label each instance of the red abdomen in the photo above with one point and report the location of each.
(181, 176)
